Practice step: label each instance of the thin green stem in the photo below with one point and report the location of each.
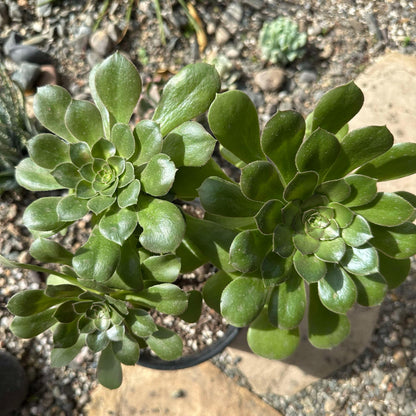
(160, 21)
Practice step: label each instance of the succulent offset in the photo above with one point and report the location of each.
(306, 211)
(281, 42)
(125, 178)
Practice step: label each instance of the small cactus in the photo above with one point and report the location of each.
(281, 42)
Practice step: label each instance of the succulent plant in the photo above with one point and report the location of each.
(306, 212)
(15, 130)
(281, 42)
(102, 294)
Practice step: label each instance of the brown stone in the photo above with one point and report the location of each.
(197, 391)
(270, 79)
(389, 87)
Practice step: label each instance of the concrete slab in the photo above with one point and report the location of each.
(198, 391)
(389, 87)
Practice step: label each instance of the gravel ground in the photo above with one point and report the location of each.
(343, 38)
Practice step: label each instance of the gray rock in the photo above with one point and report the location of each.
(101, 43)
(13, 383)
(113, 32)
(27, 53)
(308, 77)
(270, 79)
(15, 13)
(330, 404)
(232, 17)
(255, 4)
(93, 58)
(26, 75)
(222, 36)
(44, 9)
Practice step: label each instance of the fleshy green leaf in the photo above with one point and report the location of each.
(396, 242)
(83, 120)
(270, 342)
(242, 300)
(41, 214)
(210, 241)
(337, 290)
(301, 186)
(309, 267)
(50, 105)
(97, 341)
(141, 323)
(317, 153)
(163, 225)
(103, 149)
(34, 178)
(363, 190)
(129, 195)
(248, 250)
(100, 203)
(326, 329)
(188, 179)
(165, 297)
(71, 208)
(283, 240)
(109, 372)
(189, 145)
(123, 140)
(30, 302)
(158, 175)
(65, 335)
(213, 289)
(397, 162)
(48, 151)
(361, 260)
(80, 154)
(288, 303)
(275, 269)
(127, 351)
(371, 289)
(222, 197)
(193, 311)
(127, 176)
(148, 141)
(305, 243)
(331, 251)
(30, 326)
(63, 356)
(386, 209)
(118, 224)
(269, 216)
(67, 175)
(260, 181)
(357, 233)
(281, 138)
(394, 271)
(337, 190)
(164, 268)
(337, 107)
(97, 259)
(48, 251)
(118, 86)
(187, 95)
(233, 119)
(359, 147)
(165, 344)
(343, 215)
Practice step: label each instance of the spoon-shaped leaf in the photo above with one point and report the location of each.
(270, 342)
(363, 190)
(337, 107)
(326, 329)
(48, 151)
(361, 260)
(187, 95)
(50, 105)
(317, 153)
(109, 372)
(281, 138)
(123, 140)
(301, 186)
(148, 141)
(34, 178)
(371, 289)
(233, 119)
(158, 175)
(118, 224)
(30, 326)
(260, 181)
(242, 300)
(357, 233)
(394, 271)
(165, 344)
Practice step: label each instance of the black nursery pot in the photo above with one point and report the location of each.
(150, 361)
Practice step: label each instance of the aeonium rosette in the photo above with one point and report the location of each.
(124, 176)
(306, 212)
